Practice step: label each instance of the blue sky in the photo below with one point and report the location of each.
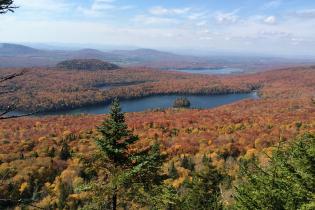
(281, 27)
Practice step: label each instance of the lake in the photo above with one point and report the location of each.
(161, 102)
(211, 71)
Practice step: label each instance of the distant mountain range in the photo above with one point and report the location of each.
(15, 55)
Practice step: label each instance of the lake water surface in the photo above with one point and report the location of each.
(211, 71)
(156, 102)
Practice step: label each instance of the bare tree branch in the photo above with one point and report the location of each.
(7, 6)
(4, 115)
(17, 116)
(11, 76)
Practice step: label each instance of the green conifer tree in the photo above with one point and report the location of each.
(172, 171)
(116, 137)
(287, 183)
(131, 173)
(203, 191)
(51, 152)
(188, 163)
(65, 153)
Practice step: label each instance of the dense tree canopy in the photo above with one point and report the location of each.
(54, 162)
(55, 89)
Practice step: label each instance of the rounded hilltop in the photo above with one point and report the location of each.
(86, 64)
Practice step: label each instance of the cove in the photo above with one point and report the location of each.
(160, 102)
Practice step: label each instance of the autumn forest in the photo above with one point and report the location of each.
(254, 153)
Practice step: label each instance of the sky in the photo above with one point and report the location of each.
(278, 27)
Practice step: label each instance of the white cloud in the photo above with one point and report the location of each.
(197, 16)
(201, 23)
(102, 7)
(309, 13)
(153, 20)
(274, 34)
(165, 11)
(159, 26)
(272, 4)
(42, 5)
(206, 38)
(270, 20)
(226, 18)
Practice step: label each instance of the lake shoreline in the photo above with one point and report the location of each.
(103, 105)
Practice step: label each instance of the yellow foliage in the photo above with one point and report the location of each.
(195, 131)
(46, 202)
(68, 175)
(66, 133)
(177, 147)
(41, 139)
(23, 187)
(177, 183)
(250, 153)
(210, 142)
(269, 151)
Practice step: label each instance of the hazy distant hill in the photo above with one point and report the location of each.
(148, 54)
(14, 55)
(15, 49)
(86, 64)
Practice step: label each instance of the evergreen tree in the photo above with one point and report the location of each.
(203, 191)
(131, 173)
(116, 137)
(147, 165)
(148, 189)
(65, 153)
(172, 171)
(287, 183)
(188, 163)
(51, 152)
(114, 143)
(63, 191)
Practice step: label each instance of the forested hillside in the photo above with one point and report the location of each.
(87, 65)
(53, 162)
(51, 89)
(253, 150)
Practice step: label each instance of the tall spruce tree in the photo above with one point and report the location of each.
(134, 174)
(113, 143)
(172, 171)
(116, 137)
(288, 182)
